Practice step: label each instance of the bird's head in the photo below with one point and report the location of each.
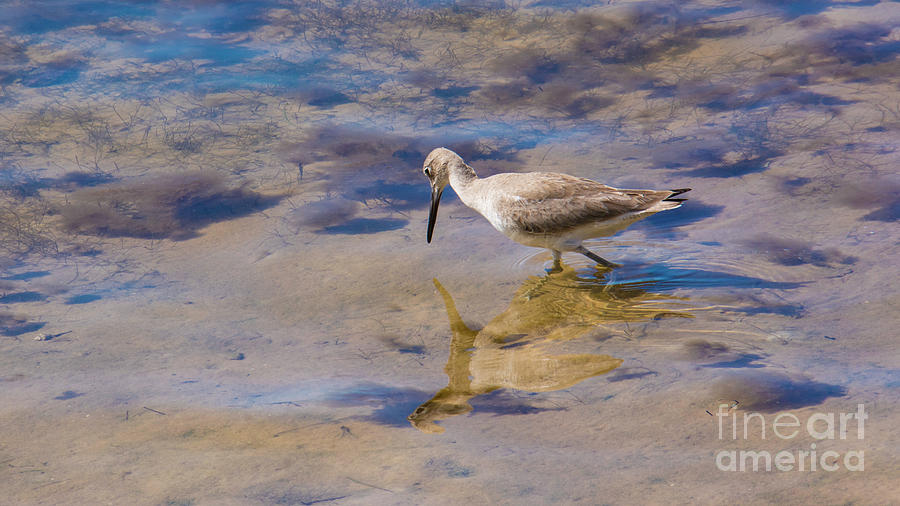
(437, 168)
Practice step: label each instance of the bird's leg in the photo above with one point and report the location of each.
(557, 263)
(600, 260)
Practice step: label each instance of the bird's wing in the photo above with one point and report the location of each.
(550, 202)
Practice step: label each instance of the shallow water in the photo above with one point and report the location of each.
(215, 286)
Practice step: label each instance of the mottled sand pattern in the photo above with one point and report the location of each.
(215, 286)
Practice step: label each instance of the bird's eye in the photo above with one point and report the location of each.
(427, 171)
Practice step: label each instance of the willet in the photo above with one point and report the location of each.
(544, 209)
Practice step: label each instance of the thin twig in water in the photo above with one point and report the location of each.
(292, 403)
(575, 397)
(286, 431)
(545, 156)
(155, 411)
(49, 483)
(368, 484)
(329, 499)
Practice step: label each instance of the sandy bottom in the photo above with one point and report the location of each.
(291, 379)
(268, 325)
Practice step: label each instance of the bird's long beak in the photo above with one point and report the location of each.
(432, 214)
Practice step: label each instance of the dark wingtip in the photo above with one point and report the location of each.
(675, 193)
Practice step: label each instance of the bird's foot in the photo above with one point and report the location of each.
(557, 262)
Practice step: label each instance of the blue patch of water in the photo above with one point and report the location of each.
(175, 46)
(26, 275)
(51, 75)
(83, 299)
(366, 226)
(14, 298)
(379, 403)
(19, 328)
(42, 16)
(660, 277)
(796, 8)
(68, 394)
(216, 17)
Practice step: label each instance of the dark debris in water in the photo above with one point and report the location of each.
(83, 298)
(769, 392)
(358, 226)
(79, 179)
(856, 53)
(25, 276)
(630, 373)
(451, 92)
(22, 184)
(789, 310)
(286, 492)
(744, 360)
(322, 214)
(791, 252)
(19, 297)
(13, 324)
(390, 405)
(702, 350)
(396, 196)
(735, 169)
(325, 98)
(173, 205)
(888, 213)
(68, 394)
(448, 467)
(793, 185)
(769, 91)
(355, 155)
(682, 152)
(719, 355)
(403, 346)
(57, 74)
(881, 196)
(502, 402)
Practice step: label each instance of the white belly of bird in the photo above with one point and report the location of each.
(571, 238)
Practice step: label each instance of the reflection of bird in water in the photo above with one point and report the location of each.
(514, 350)
(544, 209)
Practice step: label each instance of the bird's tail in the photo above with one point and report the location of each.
(675, 193)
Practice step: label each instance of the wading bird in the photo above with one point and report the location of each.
(544, 209)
